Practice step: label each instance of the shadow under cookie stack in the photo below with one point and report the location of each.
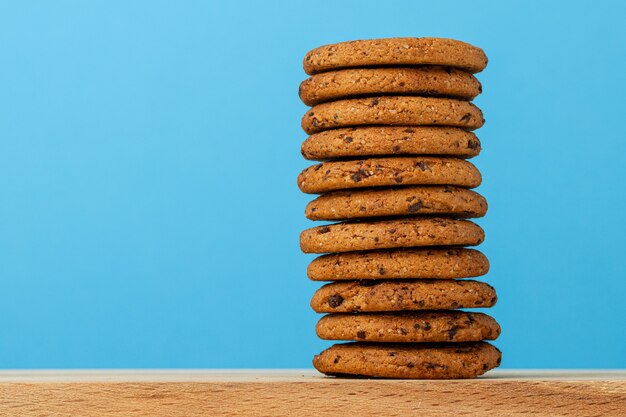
(391, 119)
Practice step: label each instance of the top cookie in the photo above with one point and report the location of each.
(394, 52)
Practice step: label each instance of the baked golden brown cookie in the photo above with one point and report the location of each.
(404, 201)
(359, 82)
(390, 234)
(366, 141)
(395, 51)
(385, 172)
(414, 360)
(412, 327)
(392, 111)
(400, 263)
(402, 295)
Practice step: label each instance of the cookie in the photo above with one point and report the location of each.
(395, 51)
(401, 263)
(359, 82)
(382, 172)
(402, 295)
(405, 201)
(392, 110)
(421, 326)
(414, 360)
(390, 234)
(390, 140)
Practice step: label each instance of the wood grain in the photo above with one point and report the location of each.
(286, 393)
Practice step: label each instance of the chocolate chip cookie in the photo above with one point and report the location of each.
(394, 171)
(420, 326)
(359, 82)
(393, 111)
(390, 234)
(396, 51)
(402, 295)
(436, 263)
(392, 141)
(405, 201)
(409, 360)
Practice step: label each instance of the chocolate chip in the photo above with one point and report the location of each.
(392, 353)
(314, 122)
(395, 148)
(392, 231)
(466, 117)
(360, 334)
(347, 139)
(397, 179)
(381, 271)
(334, 301)
(337, 359)
(415, 207)
(409, 130)
(359, 175)
(374, 102)
(410, 365)
(323, 229)
(403, 331)
(430, 365)
(427, 326)
(423, 166)
(416, 326)
(453, 331)
(473, 144)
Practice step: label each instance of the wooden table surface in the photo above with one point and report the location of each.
(304, 392)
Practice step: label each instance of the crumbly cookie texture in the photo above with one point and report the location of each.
(413, 360)
(366, 141)
(391, 234)
(392, 110)
(386, 172)
(412, 327)
(436, 263)
(358, 82)
(405, 201)
(404, 295)
(396, 51)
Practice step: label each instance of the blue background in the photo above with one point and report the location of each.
(149, 215)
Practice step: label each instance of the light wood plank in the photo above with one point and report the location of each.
(304, 392)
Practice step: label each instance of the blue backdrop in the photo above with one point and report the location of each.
(148, 160)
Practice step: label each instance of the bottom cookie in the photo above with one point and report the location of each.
(414, 361)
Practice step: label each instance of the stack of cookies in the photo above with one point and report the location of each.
(391, 121)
